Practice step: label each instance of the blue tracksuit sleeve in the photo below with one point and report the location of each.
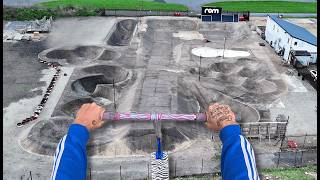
(237, 158)
(70, 158)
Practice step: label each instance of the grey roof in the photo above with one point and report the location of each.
(295, 31)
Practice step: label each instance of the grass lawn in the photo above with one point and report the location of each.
(267, 6)
(303, 173)
(118, 4)
(291, 173)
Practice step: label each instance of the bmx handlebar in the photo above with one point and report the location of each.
(132, 116)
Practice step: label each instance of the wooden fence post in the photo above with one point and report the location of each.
(30, 175)
(201, 165)
(278, 159)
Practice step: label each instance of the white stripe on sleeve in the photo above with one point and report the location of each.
(254, 160)
(59, 158)
(253, 165)
(55, 156)
(245, 157)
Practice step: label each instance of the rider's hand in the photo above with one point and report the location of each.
(90, 116)
(219, 116)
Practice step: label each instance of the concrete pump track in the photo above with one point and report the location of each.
(145, 69)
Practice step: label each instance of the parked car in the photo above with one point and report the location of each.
(314, 74)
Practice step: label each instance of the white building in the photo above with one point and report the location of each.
(284, 36)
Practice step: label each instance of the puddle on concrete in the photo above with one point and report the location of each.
(211, 52)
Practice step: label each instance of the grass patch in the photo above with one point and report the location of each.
(118, 4)
(267, 6)
(70, 8)
(290, 173)
(200, 177)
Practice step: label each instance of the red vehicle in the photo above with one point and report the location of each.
(176, 14)
(292, 144)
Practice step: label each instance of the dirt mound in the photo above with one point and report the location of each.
(223, 67)
(187, 103)
(109, 55)
(123, 33)
(204, 72)
(252, 86)
(172, 25)
(145, 139)
(230, 79)
(247, 72)
(45, 135)
(71, 108)
(112, 139)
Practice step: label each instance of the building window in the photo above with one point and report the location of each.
(295, 43)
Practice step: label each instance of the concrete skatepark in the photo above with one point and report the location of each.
(138, 65)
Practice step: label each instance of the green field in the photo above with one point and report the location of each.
(118, 4)
(267, 6)
(289, 173)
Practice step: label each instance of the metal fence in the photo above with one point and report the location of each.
(302, 142)
(137, 13)
(264, 130)
(211, 166)
(296, 158)
(201, 166)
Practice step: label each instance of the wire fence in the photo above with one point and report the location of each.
(137, 13)
(203, 166)
(288, 157)
(296, 158)
(307, 141)
(264, 130)
(285, 151)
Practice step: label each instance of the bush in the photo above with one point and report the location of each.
(22, 14)
(85, 12)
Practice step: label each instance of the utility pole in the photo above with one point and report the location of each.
(114, 96)
(224, 46)
(200, 67)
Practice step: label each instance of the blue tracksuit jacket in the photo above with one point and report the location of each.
(70, 158)
(237, 158)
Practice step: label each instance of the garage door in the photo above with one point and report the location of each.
(216, 17)
(227, 18)
(206, 18)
